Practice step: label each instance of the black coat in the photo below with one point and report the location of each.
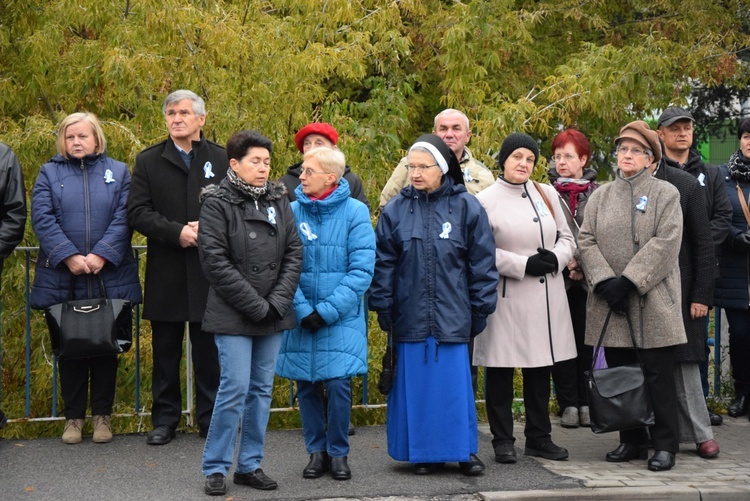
(12, 202)
(697, 260)
(712, 186)
(252, 260)
(163, 198)
(734, 272)
(291, 180)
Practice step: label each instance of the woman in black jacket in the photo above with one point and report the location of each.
(252, 256)
(734, 273)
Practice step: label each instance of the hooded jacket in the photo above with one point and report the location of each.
(435, 273)
(79, 207)
(251, 256)
(337, 267)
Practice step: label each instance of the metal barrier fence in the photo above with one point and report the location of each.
(138, 407)
(137, 325)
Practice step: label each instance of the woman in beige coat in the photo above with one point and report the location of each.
(531, 327)
(629, 245)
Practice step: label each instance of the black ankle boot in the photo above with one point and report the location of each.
(317, 466)
(627, 452)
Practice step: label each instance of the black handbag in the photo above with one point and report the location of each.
(86, 328)
(618, 396)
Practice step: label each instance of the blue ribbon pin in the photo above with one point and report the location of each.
(271, 215)
(108, 177)
(207, 168)
(446, 230)
(467, 175)
(305, 229)
(642, 203)
(541, 208)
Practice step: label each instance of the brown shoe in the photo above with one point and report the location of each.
(102, 429)
(708, 449)
(72, 432)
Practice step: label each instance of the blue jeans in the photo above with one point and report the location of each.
(248, 365)
(334, 438)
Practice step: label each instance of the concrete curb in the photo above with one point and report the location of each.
(676, 493)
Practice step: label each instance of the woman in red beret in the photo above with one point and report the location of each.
(316, 135)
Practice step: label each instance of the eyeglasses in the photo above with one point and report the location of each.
(624, 150)
(310, 172)
(420, 168)
(568, 157)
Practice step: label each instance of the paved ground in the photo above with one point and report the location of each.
(126, 469)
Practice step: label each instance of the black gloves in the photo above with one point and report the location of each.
(385, 321)
(271, 315)
(478, 324)
(313, 322)
(615, 292)
(541, 263)
(742, 242)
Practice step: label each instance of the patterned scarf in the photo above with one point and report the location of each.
(573, 187)
(739, 166)
(253, 191)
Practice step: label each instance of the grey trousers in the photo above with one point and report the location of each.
(692, 413)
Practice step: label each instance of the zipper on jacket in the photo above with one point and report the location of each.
(87, 206)
(505, 281)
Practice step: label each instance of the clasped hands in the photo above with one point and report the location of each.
(79, 264)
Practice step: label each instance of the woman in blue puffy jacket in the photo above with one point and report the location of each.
(78, 215)
(330, 343)
(435, 284)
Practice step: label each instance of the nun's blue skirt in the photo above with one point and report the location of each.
(431, 414)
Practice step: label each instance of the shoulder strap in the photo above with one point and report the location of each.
(544, 197)
(604, 331)
(743, 203)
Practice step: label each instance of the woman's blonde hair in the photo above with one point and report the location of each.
(330, 159)
(74, 118)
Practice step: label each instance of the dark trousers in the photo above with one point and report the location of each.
(166, 341)
(499, 398)
(658, 368)
(74, 382)
(568, 375)
(739, 349)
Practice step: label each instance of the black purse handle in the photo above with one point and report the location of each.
(102, 290)
(604, 331)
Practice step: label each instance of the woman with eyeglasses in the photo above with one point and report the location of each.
(329, 342)
(629, 244)
(531, 327)
(435, 283)
(251, 256)
(574, 183)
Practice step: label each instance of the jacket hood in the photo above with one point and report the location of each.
(88, 159)
(225, 191)
(339, 195)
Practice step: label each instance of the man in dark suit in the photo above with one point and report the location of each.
(163, 205)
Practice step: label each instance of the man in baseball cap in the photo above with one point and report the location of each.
(675, 129)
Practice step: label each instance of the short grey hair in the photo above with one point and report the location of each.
(199, 106)
(451, 111)
(330, 160)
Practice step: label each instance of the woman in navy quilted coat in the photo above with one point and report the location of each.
(330, 343)
(78, 215)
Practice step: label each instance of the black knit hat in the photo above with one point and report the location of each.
(514, 141)
(448, 163)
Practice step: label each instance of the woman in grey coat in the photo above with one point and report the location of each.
(636, 273)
